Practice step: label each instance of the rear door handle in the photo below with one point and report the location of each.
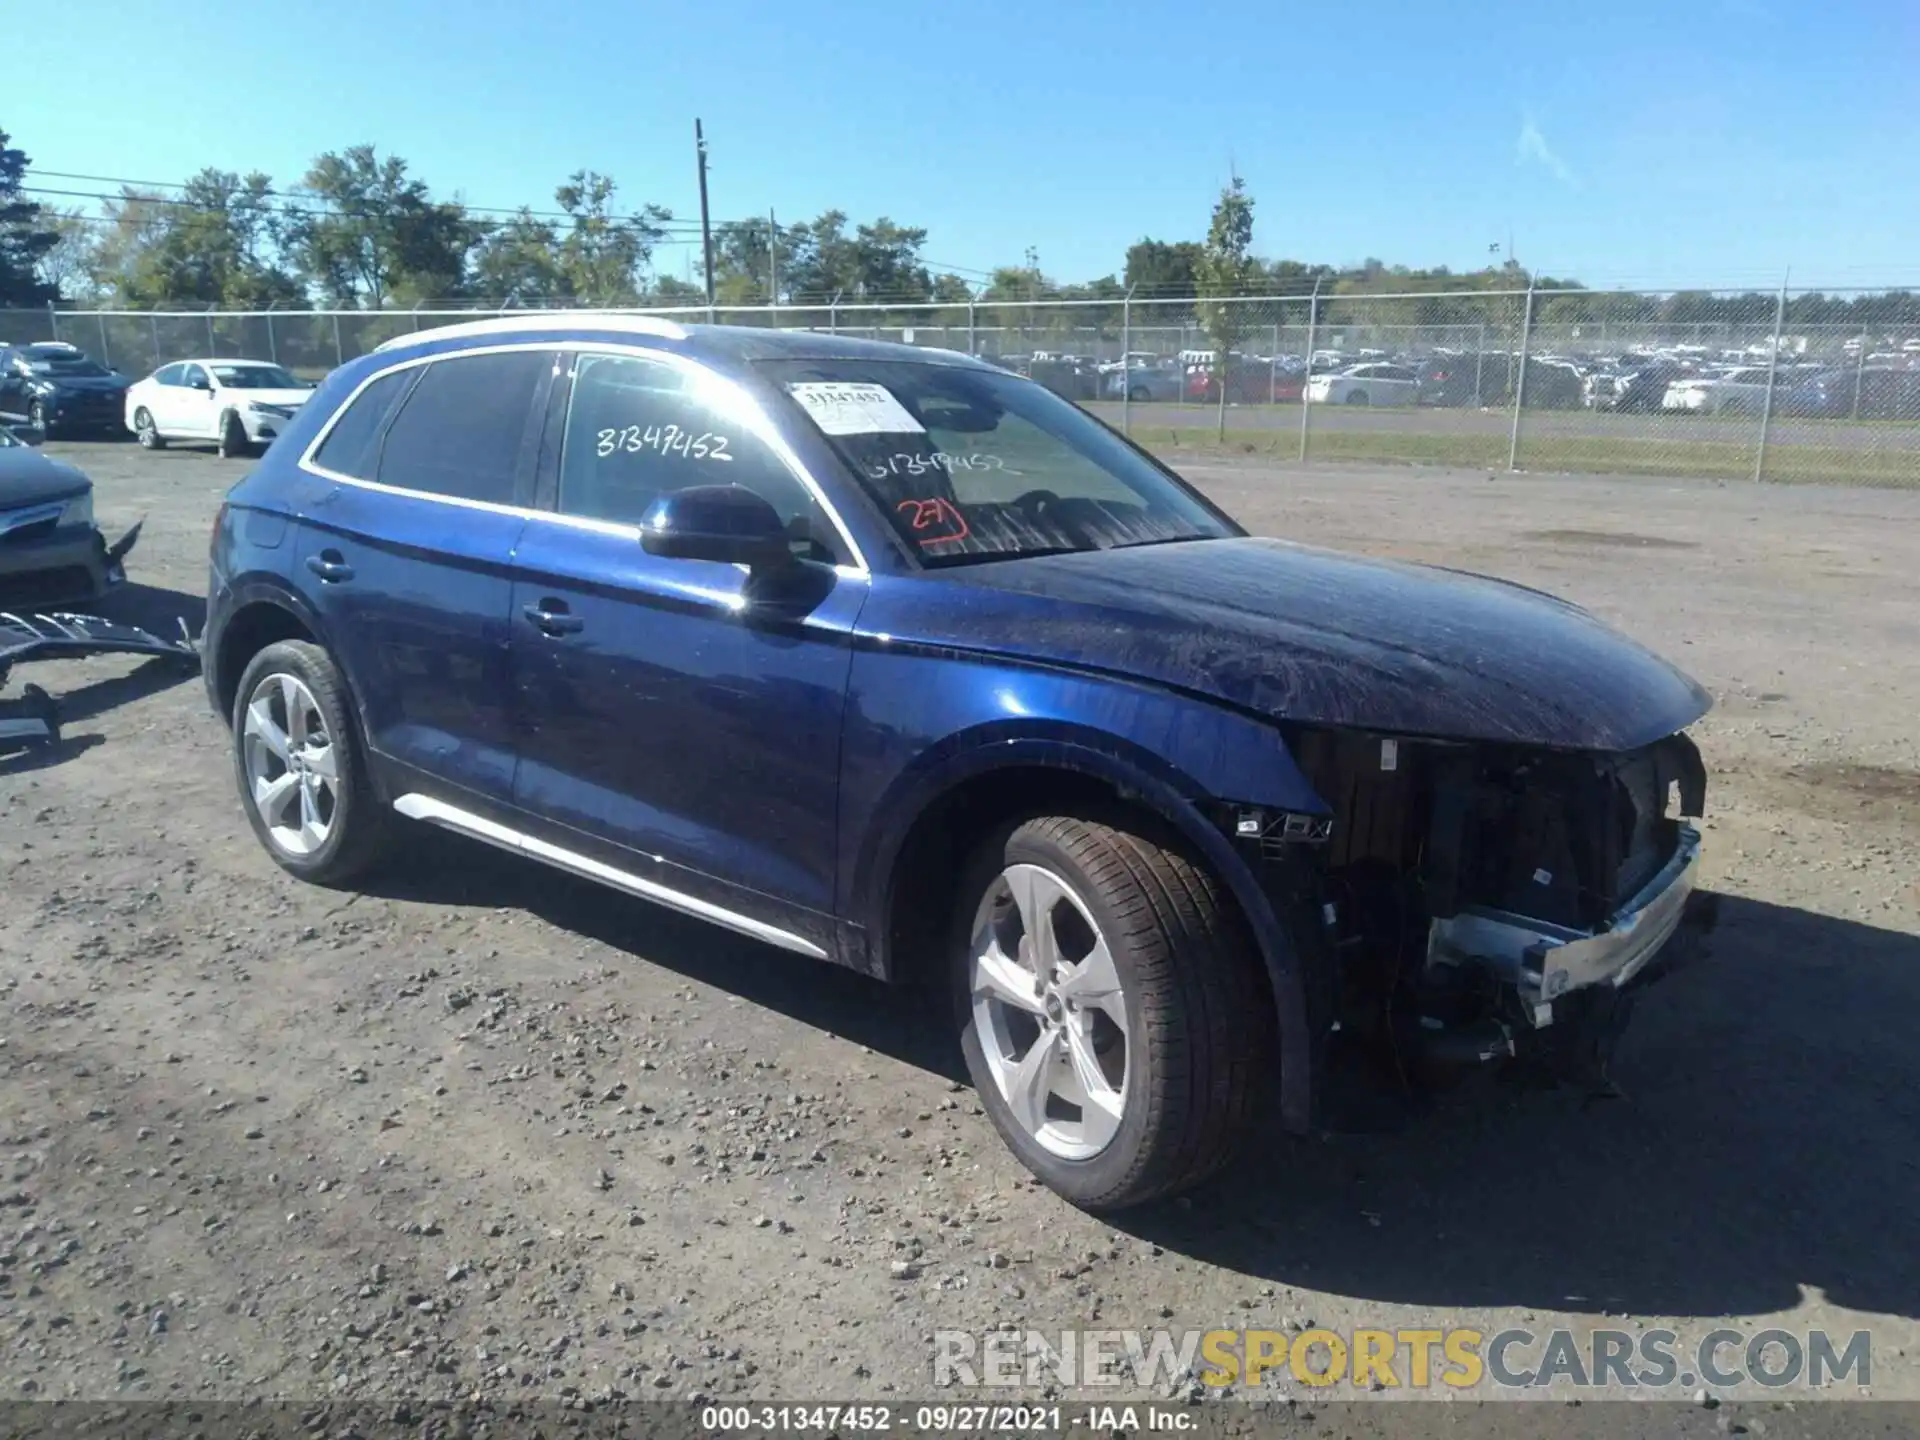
(329, 566)
(551, 617)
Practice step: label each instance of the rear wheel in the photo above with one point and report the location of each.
(302, 775)
(146, 431)
(1358, 397)
(1113, 1011)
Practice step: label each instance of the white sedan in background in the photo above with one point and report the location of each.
(1373, 384)
(1743, 390)
(239, 405)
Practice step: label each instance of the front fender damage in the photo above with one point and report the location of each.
(1468, 903)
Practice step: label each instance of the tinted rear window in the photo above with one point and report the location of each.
(351, 447)
(461, 430)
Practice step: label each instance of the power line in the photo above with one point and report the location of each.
(300, 199)
(306, 203)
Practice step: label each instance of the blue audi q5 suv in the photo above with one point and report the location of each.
(891, 658)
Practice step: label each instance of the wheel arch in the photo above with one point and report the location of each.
(907, 891)
(261, 613)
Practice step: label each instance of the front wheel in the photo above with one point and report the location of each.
(1113, 1012)
(234, 444)
(37, 417)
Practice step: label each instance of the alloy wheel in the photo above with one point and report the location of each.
(1050, 1012)
(292, 772)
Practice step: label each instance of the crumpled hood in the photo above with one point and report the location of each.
(29, 478)
(1322, 638)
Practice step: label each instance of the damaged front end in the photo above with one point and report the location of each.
(1480, 902)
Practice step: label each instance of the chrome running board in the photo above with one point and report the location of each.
(465, 822)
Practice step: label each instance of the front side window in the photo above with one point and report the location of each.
(462, 428)
(638, 429)
(972, 464)
(170, 375)
(194, 376)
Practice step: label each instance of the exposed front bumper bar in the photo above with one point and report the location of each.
(1544, 962)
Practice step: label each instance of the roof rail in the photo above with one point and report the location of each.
(542, 320)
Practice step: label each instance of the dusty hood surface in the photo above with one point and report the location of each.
(1318, 637)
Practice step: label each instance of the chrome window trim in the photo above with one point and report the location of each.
(755, 414)
(452, 817)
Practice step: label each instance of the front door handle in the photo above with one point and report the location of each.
(329, 566)
(551, 617)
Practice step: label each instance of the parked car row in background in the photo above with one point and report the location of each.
(239, 406)
(1682, 380)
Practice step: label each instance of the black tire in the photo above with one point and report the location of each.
(1358, 397)
(1139, 393)
(360, 825)
(1195, 996)
(146, 432)
(37, 417)
(234, 444)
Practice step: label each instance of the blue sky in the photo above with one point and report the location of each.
(1687, 142)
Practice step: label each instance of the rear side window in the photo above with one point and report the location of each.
(351, 446)
(462, 429)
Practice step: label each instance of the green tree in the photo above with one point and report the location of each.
(215, 243)
(520, 264)
(603, 255)
(366, 234)
(1158, 271)
(1226, 268)
(68, 264)
(25, 237)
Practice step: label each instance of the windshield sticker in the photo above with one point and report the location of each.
(847, 408)
(663, 440)
(934, 522)
(939, 460)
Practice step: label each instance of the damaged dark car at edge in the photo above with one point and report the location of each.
(890, 658)
(51, 552)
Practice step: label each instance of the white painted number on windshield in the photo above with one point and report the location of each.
(663, 440)
(939, 460)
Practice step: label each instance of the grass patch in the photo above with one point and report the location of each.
(1593, 454)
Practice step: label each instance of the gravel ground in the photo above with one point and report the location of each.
(482, 1129)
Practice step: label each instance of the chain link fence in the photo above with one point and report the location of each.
(1615, 382)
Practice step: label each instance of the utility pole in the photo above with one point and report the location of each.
(706, 226)
(773, 259)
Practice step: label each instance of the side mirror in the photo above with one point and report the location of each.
(728, 523)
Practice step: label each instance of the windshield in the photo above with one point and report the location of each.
(61, 362)
(975, 464)
(254, 377)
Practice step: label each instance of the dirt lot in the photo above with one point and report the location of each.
(484, 1129)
